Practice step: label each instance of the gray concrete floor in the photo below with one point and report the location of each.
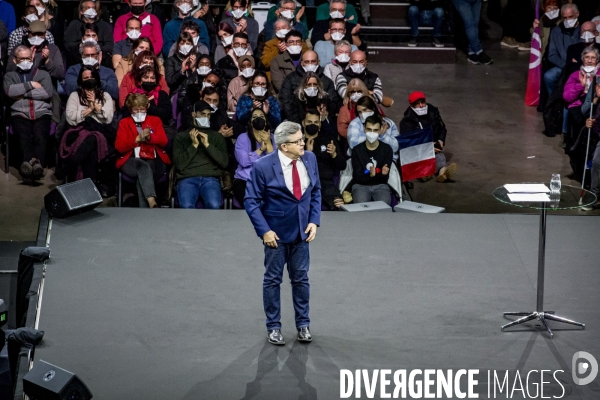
(491, 134)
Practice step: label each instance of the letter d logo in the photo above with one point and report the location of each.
(581, 367)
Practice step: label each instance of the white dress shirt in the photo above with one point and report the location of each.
(286, 166)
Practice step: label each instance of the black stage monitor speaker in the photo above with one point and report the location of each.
(49, 382)
(72, 198)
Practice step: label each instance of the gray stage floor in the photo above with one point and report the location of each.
(166, 304)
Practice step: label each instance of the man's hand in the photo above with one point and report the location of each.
(372, 171)
(266, 107)
(36, 85)
(355, 30)
(203, 138)
(338, 202)
(194, 137)
(270, 239)
(385, 170)
(323, 111)
(45, 52)
(300, 14)
(146, 134)
(582, 78)
(384, 127)
(536, 23)
(589, 122)
(331, 149)
(226, 131)
(311, 229)
(256, 104)
(282, 46)
(310, 142)
(242, 25)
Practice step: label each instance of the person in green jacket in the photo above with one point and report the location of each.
(199, 157)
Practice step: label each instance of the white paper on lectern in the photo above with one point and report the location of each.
(528, 197)
(526, 188)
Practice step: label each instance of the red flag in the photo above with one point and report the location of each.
(532, 95)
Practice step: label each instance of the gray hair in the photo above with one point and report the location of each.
(289, 25)
(284, 131)
(564, 8)
(591, 49)
(282, 2)
(341, 43)
(88, 43)
(19, 49)
(338, 1)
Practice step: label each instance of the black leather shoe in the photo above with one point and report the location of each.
(367, 21)
(304, 335)
(275, 337)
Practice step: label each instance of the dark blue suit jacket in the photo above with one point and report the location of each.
(270, 204)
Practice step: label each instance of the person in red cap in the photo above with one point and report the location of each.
(420, 115)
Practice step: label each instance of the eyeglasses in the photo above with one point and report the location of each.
(288, 9)
(340, 30)
(37, 33)
(299, 141)
(242, 45)
(95, 55)
(19, 59)
(294, 43)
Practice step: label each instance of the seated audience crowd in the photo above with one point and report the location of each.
(180, 108)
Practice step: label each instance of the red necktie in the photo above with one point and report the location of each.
(296, 181)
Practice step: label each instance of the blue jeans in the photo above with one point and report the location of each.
(297, 258)
(551, 78)
(433, 18)
(207, 187)
(469, 11)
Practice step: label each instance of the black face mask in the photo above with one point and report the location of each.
(311, 129)
(137, 10)
(259, 124)
(89, 84)
(148, 86)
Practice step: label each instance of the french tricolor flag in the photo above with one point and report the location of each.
(417, 157)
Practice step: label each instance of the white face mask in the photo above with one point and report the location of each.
(203, 122)
(342, 57)
(144, 65)
(310, 67)
(287, 14)
(588, 69)
(570, 23)
(248, 72)
(136, 52)
(214, 107)
(355, 96)
(259, 91)
(195, 40)
(364, 115)
(237, 14)
(35, 40)
(420, 111)
(25, 65)
(45, 1)
(311, 91)
(337, 36)
(281, 33)
(89, 61)
(134, 34)
(206, 84)
(90, 13)
(185, 49)
(40, 10)
(227, 40)
(239, 51)
(552, 14)
(294, 50)
(372, 136)
(185, 8)
(357, 68)
(196, 3)
(587, 37)
(30, 18)
(336, 14)
(139, 117)
(203, 70)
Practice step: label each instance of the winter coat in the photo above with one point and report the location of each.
(27, 102)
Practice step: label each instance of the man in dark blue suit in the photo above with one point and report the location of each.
(283, 201)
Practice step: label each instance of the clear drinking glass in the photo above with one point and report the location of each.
(555, 183)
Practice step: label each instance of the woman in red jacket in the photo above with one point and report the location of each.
(141, 142)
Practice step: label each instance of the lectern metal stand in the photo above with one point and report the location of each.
(540, 315)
